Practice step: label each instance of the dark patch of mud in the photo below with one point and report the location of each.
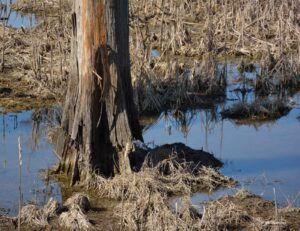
(178, 152)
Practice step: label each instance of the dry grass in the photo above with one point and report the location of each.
(48, 6)
(75, 219)
(190, 37)
(258, 110)
(35, 216)
(185, 32)
(153, 212)
(196, 27)
(72, 215)
(39, 55)
(144, 196)
(181, 179)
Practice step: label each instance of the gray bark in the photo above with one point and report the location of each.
(99, 115)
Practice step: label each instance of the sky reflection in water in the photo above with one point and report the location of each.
(37, 155)
(261, 157)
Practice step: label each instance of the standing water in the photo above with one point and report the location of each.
(15, 19)
(264, 157)
(37, 154)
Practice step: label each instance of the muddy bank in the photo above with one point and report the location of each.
(177, 152)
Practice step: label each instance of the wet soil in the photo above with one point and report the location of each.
(16, 94)
(178, 152)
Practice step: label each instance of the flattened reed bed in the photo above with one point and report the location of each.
(183, 32)
(39, 55)
(239, 27)
(45, 6)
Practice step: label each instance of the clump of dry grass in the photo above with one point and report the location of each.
(78, 200)
(223, 216)
(153, 212)
(33, 215)
(75, 219)
(144, 196)
(40, 6)
(258, 110)
(180, 179)
(71, 215)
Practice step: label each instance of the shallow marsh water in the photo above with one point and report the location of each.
(264, 157)
(37, 155)
(261, 156)
(17, 20)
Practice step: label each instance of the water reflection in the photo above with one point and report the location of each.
(262, 155)
(14, 18)
(32, 127)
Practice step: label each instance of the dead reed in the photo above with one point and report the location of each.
(258, 110)
(189, 37)
(70, 215)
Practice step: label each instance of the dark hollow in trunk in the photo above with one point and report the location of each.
(99, 116)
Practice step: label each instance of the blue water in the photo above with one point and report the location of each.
(37, 155)
(17, 20)
(262, 157)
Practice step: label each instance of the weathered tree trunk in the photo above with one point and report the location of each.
(99, 115)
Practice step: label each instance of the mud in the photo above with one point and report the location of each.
(177, 152)
(17, 95)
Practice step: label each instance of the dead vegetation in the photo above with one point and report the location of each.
(46, 6)
(144, 195)
(70, 215)
(184, 33)
(181, 179)
(257, 110)
(154, 212)
(35, 60)
(175, 48)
